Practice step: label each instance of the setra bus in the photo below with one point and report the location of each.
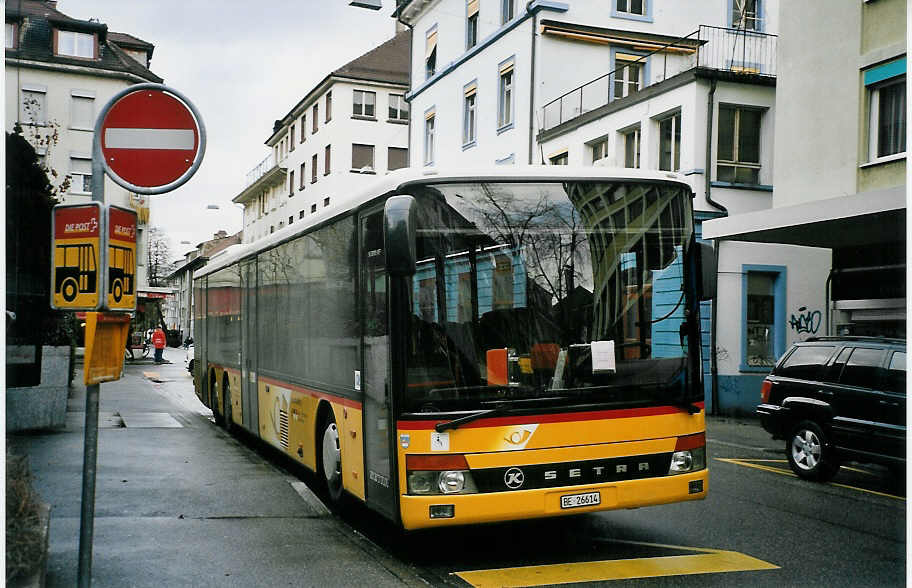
(466, 347)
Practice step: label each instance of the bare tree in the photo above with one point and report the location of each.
(160, 258)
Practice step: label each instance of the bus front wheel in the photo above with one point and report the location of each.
(331, 458)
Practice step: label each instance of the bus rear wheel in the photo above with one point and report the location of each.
(117, 291)
(330, 466)
(213, 399)
(226, 406)
(69, 289)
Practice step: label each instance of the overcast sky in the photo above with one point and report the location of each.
(243, 64)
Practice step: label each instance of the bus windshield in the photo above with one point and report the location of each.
(548, 292)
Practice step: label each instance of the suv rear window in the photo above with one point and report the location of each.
(863, 368)
(806, 362)
(896, 376)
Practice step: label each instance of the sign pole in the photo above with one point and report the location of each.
(93, 392)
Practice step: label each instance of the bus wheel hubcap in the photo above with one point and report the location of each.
(331, 454)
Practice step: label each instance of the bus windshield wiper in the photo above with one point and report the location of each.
(499, 409)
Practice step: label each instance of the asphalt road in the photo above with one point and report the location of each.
(759, 526)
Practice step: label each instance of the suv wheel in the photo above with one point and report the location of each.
(810, 454)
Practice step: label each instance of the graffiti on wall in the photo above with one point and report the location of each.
(806, 321)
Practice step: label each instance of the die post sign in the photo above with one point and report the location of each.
(120, 279)
(76, 256)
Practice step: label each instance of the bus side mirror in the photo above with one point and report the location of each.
(708, 269)
(399, 235)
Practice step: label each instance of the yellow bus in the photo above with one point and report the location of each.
(466, 347)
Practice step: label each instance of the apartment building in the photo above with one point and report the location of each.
(350, 127)
(59, 72)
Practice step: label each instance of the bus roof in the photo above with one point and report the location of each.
(402, 178)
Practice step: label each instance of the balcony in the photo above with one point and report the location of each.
(264, 176)
(738, 52)
(260, 170)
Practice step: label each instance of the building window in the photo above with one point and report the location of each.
(303, 127)
(468, 114)
(631, 139)
(300, 214)
(271, 229)
(560, 159)
(637, 7)
(291, 219)
(326, 166)
(313, 169)
(430, 53)
(326, 202)
(745, 14)
(362, 158)
(291, 141)
(80, 175)
(670, 143)
(12, 35)
(33, 110)
(471, 23)
(82, 110)
(301, 176)
(291, 183)
(396, 158)
(764, 316)
(329, 103)
(506, 11)
(313, 118)
(429, 138)
(627, 74)
(313, 208)
(599, 150)
(364, 103)
(73, 44)
(738, 157)
(398, 108)
(887, 117)
(505, 95)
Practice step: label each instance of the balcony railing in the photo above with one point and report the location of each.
(737, 51)
(260, 170)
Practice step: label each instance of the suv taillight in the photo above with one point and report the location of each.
(765, 391)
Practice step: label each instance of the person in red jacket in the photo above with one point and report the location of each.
(158, 340)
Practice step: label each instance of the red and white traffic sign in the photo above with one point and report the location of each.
(150, 139)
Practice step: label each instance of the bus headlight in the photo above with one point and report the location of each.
(689, 460)
(444, 474)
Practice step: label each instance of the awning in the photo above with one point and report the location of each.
(867, 218)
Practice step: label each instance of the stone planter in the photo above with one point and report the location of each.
(42, 406)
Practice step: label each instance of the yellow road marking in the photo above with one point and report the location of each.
(757, 466)
(709, 562)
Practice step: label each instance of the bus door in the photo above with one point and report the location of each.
(250, 407)
(378, 425)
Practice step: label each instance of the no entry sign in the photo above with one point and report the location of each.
(152, 139)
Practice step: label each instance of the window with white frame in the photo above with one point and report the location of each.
(599, 149)
(430, 53)
(628, 74)
(73, 44)
(364, 103)
(303, 127)
(82, 110)
(469, 114)
(329, 103)
(398, 108)
(11, 35)
(471, 23)
(302, 175)
(505, 95)
(562, 158)
(326, 154)
(886, 114)
(396, 158)
(507, 8)
(637, 7)
(429, 138)
(313, 169)
(80, 175)
(631, 140)
(745, 14)
(291, 183)
(33, 109)
(362, 158)
(315, 125)
(738, 154)
(670, 142)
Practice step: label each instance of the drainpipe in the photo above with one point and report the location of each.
(532, 83)
(713, 361)
(408, 143)
(826, 293)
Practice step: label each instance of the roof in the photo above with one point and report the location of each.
(385, 63)
(37, 20)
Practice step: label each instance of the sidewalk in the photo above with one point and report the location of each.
(178, 502)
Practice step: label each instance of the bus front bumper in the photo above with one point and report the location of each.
(489, 507)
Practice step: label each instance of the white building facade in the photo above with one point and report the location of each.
(59, 73)
(684, 87)
(350, 127)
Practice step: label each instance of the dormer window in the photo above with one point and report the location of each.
(73, 44)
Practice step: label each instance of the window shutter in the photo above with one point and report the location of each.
(471, 8)
(431, 44)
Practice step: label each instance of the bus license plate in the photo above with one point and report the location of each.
(577, 500)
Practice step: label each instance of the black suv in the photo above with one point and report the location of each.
(838, 398)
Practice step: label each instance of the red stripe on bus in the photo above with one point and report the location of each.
(330, 397)
(565, 417)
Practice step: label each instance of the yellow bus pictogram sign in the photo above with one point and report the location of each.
(120, 279)
(76, 254)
